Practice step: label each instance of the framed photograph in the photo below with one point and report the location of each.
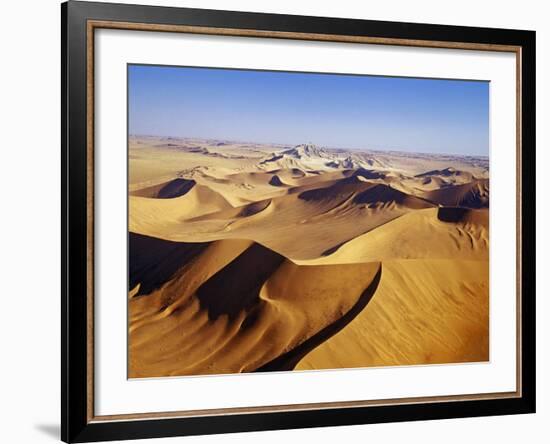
(275, 221)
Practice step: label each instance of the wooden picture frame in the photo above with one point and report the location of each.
(79, 22)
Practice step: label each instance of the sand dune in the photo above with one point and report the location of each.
(154, 211)
(449, 175)
(249, 257)
(474, 194)
(361, 191)
(213, 315)
(322, 218)
(423, 312)
(262, 207)
(434, 233)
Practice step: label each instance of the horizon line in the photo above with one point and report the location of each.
(389, 150)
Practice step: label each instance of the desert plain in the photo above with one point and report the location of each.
(247, 257)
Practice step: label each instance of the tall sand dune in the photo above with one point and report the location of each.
(241, 312)
(423, 312)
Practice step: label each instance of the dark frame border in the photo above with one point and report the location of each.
(77, 425)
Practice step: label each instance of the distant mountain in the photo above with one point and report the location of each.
(304, 157)
(305, 151)
(310, 157)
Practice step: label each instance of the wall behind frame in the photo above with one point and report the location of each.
(30, 234)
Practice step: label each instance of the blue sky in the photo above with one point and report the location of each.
(348, 111)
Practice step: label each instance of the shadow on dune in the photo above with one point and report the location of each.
(152, 261)
(473, 194)
(463, 215)
(368, 174)
(339, 189)
(230, 290)
(452, 214)
(447, 172)
(335, 248)
(167, 190)
(288, 361)
(254, 208)
(364, 192)
(276, 181)
(383, 194)
(175, 188)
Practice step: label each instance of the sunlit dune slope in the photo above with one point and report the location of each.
(432, 302)
(233, 306)
(173, 201)
(434, 233)
(423, 312)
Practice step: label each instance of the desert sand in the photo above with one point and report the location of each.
(260, 257)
